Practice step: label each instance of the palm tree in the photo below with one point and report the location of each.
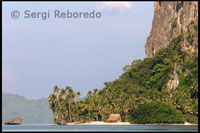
(52, 104)
(62, 104)
(56, 90)
(78, 94)
(109, 94)
(96, 102)
(89, 93)
(70, 99)
(62, 93)
(89, 103)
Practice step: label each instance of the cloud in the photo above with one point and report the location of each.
(114, 6)
(9, 79)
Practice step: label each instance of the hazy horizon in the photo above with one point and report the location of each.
(33, 98)
(81, 53)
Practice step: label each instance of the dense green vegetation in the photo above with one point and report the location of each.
(191, 118)
(142, 83)
(32, 111)
(156, 112)
(174, 23)
(62, 103)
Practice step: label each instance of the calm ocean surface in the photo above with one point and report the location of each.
(111, 128)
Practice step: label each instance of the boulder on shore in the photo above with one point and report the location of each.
(14, 121)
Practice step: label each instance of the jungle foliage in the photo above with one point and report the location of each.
(156, 112)
(140, 85)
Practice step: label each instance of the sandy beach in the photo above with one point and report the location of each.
(124, 123)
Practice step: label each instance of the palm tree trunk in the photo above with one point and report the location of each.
(97, 115)
(112, 109)
(69, 113)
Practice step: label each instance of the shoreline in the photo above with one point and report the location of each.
(127, 123)
(119, 123)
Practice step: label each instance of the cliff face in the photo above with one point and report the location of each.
(171, 19)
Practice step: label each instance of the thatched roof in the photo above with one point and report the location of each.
(114, 118)
(16, 120)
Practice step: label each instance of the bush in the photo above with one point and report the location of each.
(178, 39)
(190, 38)
(156, 112)
(191, 118)
(192, 22)
(195, 27)
(174, 24)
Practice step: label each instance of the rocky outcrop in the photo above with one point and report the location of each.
(14, 121)
(174, 81)
(171, 19)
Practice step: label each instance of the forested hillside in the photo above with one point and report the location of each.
(32, 111)
(167, 77)
(144, 82)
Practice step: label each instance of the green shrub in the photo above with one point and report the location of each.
(190, 38)
(177, 39)
(192, 22)
(191, 118)
(156, 112)
(195, 27)
(174, 24)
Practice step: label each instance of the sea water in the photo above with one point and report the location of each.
(111, 128)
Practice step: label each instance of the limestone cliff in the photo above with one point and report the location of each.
(171, 19)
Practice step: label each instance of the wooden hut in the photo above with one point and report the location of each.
(14, 121)
(114, 118)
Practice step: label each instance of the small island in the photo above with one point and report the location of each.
(158, 89)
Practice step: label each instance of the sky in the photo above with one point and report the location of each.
(79, 52)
